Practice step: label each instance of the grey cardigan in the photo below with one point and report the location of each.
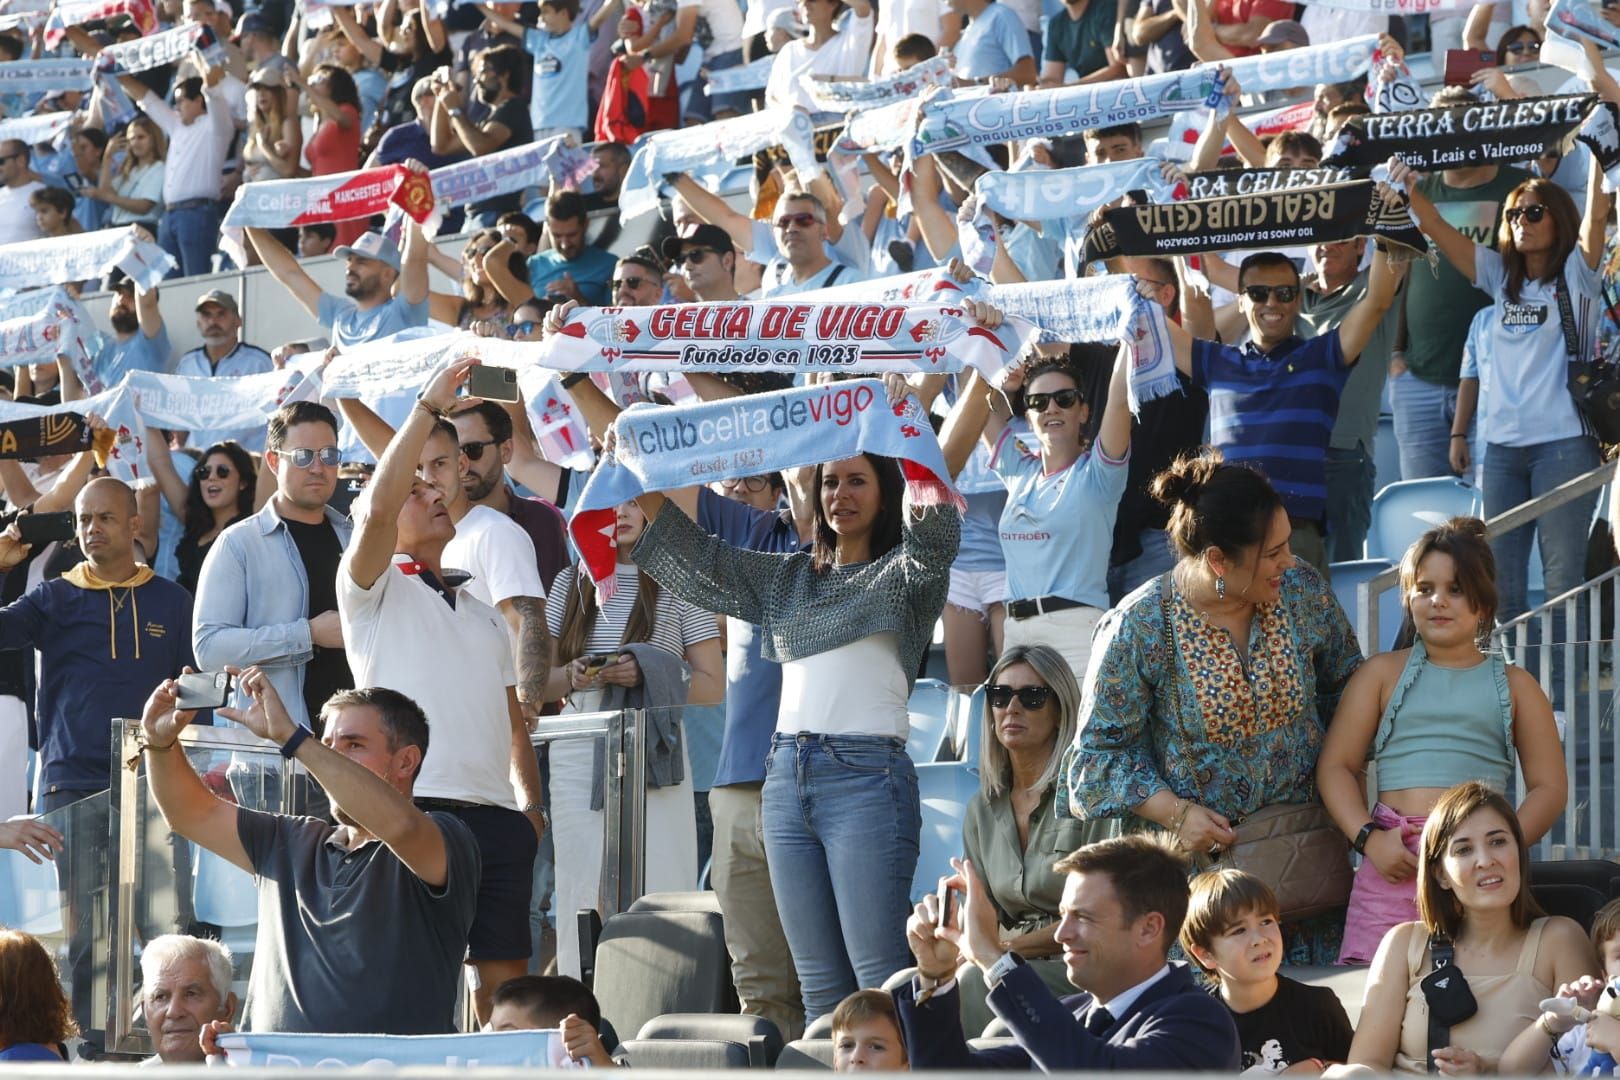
(802, 612)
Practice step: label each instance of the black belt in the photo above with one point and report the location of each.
(445, 804)
(1041, 605)
(187, 204)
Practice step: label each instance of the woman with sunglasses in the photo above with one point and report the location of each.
(479, 301)
(1063, 491)
(1545, 293)
(1215, 681)
(1012, 831)
(221, 491)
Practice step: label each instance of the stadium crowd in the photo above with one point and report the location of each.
(1137, 577)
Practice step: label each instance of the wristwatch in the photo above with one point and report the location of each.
(539, 808)
(1359, 844)
(1001, 969)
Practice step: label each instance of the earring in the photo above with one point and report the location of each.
(1220, 587)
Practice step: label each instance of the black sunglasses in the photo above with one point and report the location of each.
(1065, 399)
(1030, 697)
(630, 283)
(221, 472)
(1532, 214)
(695, 255)
(755, 484)
(304, 456)
(1526, 46)
(475, 450)
(1286, 294)
(518, 329)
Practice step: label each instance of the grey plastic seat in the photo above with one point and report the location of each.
(806, 1054)
(755, 1033)
(649, 963)
(686, 1054)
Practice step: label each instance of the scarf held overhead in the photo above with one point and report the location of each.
(1461, 136)
(278, 204)
(1054, 194)
(845, 95)
(1267, 220)
(82, 257)
(662, 448)
(719, 142)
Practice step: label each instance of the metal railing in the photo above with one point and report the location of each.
(155, 886)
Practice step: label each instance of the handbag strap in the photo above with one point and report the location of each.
(1166, 585)
(1442, 953)
(1566, 318)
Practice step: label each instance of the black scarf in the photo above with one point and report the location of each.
(40, 436)
(1461, 136)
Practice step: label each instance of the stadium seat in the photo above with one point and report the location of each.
(225, 895)
(685, 1054)
(992, 1044)
(930, 709)
(755, 1034)
(30, 899)
(820, 1027)
(968, 725)
(1346, 576)
(1578, 902)
(944, 788)
(1386, 454)
(697, 900)
(649, 963)
(806, 1054)
(1406, 510)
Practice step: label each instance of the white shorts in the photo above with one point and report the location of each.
(977, 590)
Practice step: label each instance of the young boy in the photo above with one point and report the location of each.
(866, 1034)
(1232, 931)
(1575, 1051)
(541, 1002)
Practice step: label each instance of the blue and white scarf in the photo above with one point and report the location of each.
(45, 76)
(843, 95)
(534, 1049)
(153, 51)
(662, 448)
(39, 326)
(1054, 194)
(733, 80)
(215, 403)
(950, 123)
(83, 257)
(33, 130)
(715, 145)
(504, 172)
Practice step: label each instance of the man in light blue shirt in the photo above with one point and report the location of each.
(223, 353)
(139, 341)
(802, 263)
(383, 292)
(572, 269)
(993, 43)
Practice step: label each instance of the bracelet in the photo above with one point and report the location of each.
(294, 741)
(1183, 808)
(1459, 436)
(1546, 1028)
(422, 404)
(573, 379)
(133, 762)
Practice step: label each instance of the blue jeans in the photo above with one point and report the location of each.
(841, 819)
(1155, 558)
(190, 233)
(1423, 415)
(1517, 474)
(1349, 501)
(697, 106)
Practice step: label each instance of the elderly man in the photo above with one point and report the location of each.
(223, 352)
(185, 986)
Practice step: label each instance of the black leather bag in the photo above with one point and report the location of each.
(1595, 383)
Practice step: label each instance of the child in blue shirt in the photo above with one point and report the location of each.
(561, 49)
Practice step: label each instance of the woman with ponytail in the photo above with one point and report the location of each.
(1210, 687)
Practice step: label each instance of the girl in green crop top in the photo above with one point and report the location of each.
(1437, 714)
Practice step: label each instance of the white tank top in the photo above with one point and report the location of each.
(855, 689)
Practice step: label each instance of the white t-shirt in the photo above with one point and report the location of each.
(195, 164)
(456, 663)
(855, 689)
(846, 54)
(896, 20)
(1325, 24)
(725, 21)
(498, 554)
(16, 216)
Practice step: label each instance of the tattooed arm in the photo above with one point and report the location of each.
(526, 616)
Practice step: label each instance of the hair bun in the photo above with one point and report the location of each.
(1469, 526)
(1184, 481)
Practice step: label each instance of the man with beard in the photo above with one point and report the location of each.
(139, 341)
(223, 352)
(570, 269)
(370, 916)
(384, 293)
(499, 73)
(485, 431)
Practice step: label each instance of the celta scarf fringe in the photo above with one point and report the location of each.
(1461, 136)
(841, 95)
(661, 448)
(82, 257)
(1266, 221)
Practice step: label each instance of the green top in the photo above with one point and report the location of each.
(1440, 302)
(1081, 43)
(1023, 885)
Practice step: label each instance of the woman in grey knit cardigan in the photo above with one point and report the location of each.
(849, 621)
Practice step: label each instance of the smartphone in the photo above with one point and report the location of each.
(492, 383)
(1462, 63)
(43, 528)
(593, 664)
(947, 906)
(203, 690)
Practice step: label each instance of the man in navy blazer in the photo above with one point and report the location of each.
(1123, 905)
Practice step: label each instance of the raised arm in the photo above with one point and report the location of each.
(283, 266)
(188, 807)
(366, 45)
(413, 272)
(978, 409)
(498, 268)
(1457, 248)
(1362, 320)
(160, 459)
(716, 211)
(938, 226)
(1114, 434)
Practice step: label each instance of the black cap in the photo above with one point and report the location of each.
(710, 236)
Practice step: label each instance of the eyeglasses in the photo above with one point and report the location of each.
(1526, 46)
(1065, 399)
(1532, 213)
(630, 283)
(475, 450)
(1030, 697)
(304, 457)
(1286, 294)
(747, 483)
(518, 329)
(803, 221)
(695, 255)
(220, 472)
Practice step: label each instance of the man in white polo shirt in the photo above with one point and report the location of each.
(410, 627)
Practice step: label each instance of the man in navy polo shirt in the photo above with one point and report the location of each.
(1274, 399)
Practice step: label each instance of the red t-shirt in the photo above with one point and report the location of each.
(334, 149)
(1238, 12)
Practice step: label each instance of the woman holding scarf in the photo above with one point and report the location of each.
(849, 621)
